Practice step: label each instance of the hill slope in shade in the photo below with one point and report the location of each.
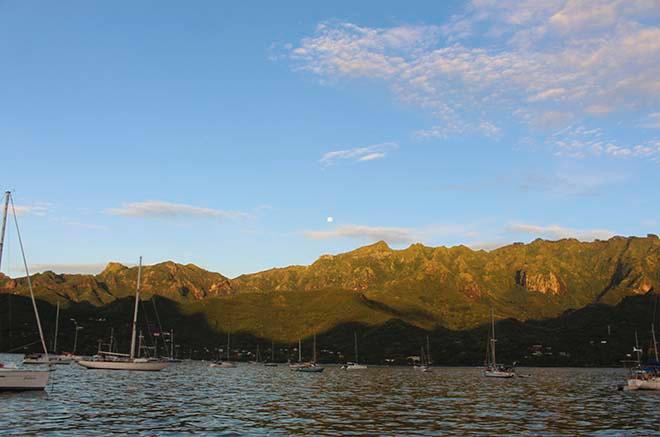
(596, 335)
(452, 288)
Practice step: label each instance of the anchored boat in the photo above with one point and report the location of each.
(308, 367)
(645, 377)
(115, 361)
(11, 377)
(354, 365)
(492, 369)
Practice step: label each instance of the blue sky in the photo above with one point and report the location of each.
(225, 134)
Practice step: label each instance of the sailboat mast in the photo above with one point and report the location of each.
(57, 326)
(228, 340)
(428, 351)
(655, 344)
(27, 271)
(492, 340)
(172, 343)
(4, 224)
(357, 359)
(135, 312)
(299, 350)
(314, 360)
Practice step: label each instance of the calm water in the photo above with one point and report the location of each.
(251, 399)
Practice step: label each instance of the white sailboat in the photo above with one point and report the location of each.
(354, 365)
(310, 367)
(225, 364)
(492, 369)
(172, 359)
(272, 362)
(11, 377)
(645, 377)
(115, 361)
(425, 364)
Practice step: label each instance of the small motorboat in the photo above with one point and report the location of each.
(308, 368)
(353, 366)
(223, 364)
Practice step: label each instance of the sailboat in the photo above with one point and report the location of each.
(172, 359)
(224, 364)
(356, 365)
(492, 369)
(272, 362)
(310, 367)
(54, 358)
(11, 377)
(645, 377)
(425, 364)
(115, 361)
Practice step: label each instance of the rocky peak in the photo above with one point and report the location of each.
(546, 283)
(113, 268)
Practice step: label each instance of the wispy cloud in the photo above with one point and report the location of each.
(358, 154)
(394, 235)
(38, 209)
(368, 233)
(580, 142)
(82, 225)
(550, 63)
(573, 183)
(160, 209)
(72, 268)
(557, 232)
(652, 121)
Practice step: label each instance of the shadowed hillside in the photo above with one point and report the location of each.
(598, 334)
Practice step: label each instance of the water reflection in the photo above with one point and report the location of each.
(251, 399)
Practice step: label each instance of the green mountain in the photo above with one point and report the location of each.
(429, 288)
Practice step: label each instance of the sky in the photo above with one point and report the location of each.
(241, 136)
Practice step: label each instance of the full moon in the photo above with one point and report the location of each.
(330, 219)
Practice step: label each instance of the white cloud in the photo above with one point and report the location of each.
(38, 209)
(557, 232)
(394, 235)
(160, 209)
(556, 61)
(81, 225)
(487, 245)
(580, 142)
(72, 268)
(652, 121)
(368, 153)
(369, 233)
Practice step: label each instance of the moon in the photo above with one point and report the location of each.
(330, 219)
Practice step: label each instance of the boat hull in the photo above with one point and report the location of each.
(309, 369)
(149, 366)
(644, 384)
(498, 374)
(355, 367)
(223, 365)
(50, 360)
(23, 380)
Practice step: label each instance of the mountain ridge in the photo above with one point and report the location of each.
(446, 286)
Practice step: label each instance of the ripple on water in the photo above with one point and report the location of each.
(251, 399)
